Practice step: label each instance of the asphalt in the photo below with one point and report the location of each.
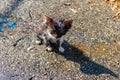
(92, 45)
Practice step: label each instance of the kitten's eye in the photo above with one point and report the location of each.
(55, 24)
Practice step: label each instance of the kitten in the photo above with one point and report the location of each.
(51, 32)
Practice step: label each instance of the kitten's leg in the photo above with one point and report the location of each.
(42, 39)
(61, 49)
(39, 40)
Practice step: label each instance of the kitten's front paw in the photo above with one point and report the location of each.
(38, 42)
(49, 49)
(61, 49)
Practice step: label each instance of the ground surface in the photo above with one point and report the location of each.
(92, 45)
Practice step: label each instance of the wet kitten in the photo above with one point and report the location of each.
(51, 32)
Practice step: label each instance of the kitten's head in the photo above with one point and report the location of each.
(57, 27)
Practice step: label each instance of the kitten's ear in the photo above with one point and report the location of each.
(47, 19)
(68, 23)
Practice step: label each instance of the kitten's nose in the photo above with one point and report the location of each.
(61, 25)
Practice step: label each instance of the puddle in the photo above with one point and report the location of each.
(99, 48)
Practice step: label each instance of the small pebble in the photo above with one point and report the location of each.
(30, 48)
(73, 10)
(67, 4)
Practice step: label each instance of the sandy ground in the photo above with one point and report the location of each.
(92, 44)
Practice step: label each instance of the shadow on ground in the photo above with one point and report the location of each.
(87, 66)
